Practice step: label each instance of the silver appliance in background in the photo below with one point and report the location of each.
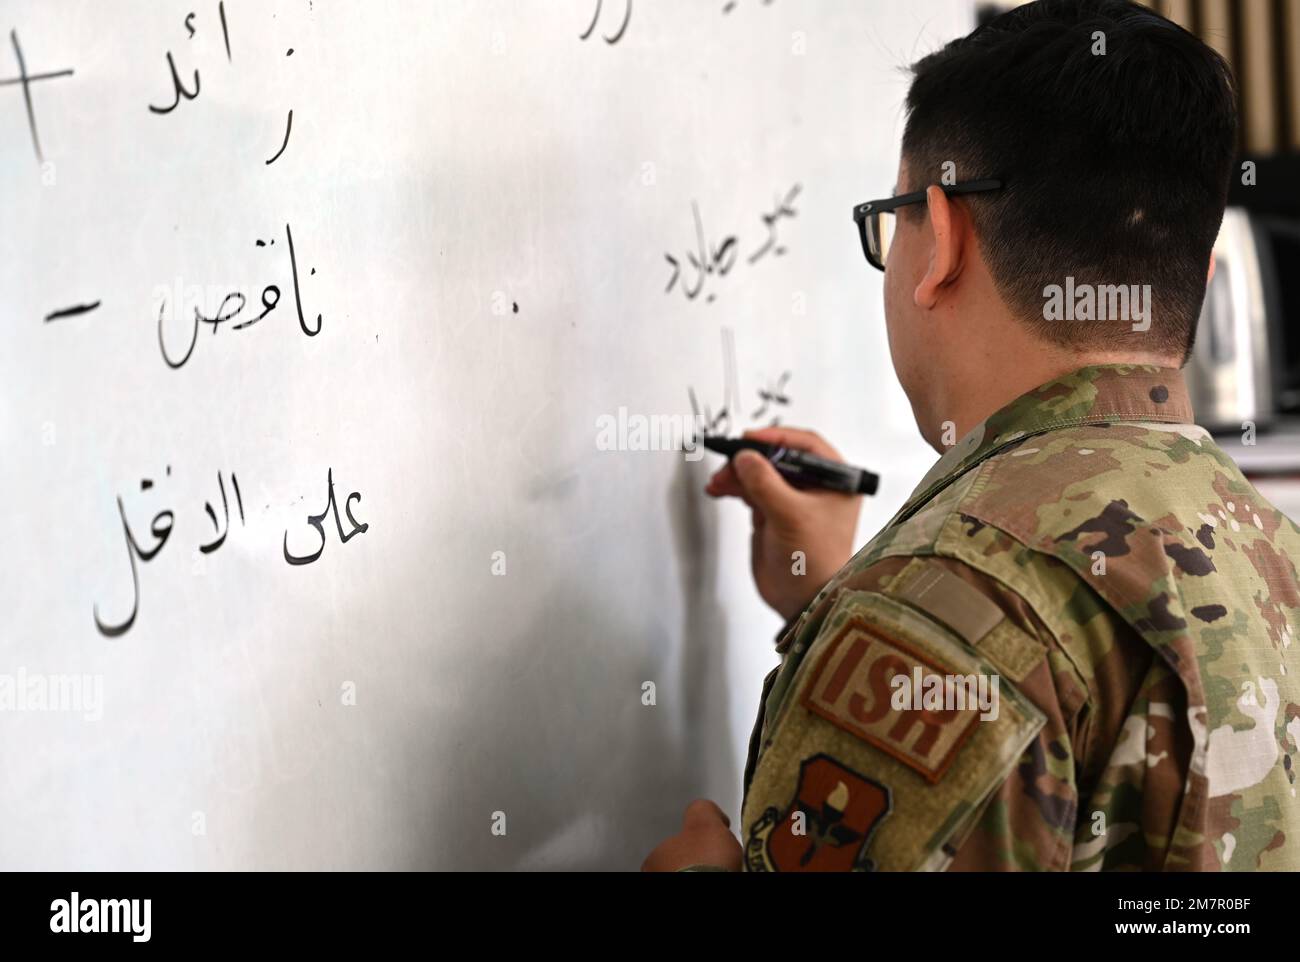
(1231, 374)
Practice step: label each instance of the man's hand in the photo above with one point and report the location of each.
(705, 839)
(820, 524)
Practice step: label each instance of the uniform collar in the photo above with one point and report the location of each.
(1092, 395)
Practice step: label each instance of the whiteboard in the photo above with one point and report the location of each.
(510, 222)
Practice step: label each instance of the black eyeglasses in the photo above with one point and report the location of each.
(878, 232)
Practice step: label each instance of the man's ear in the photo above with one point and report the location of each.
(945, 251)
(1213, 264)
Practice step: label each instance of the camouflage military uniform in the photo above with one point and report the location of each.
(1128, 603)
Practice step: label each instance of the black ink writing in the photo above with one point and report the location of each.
(25, 80)
(317, 522)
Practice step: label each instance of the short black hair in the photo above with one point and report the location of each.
(1115, 166)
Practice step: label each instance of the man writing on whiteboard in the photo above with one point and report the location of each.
(1071, 649)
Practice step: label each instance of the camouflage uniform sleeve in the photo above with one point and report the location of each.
(922, 719)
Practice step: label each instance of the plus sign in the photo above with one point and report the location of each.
(26, 80)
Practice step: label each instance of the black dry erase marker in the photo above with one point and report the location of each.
(800, 468)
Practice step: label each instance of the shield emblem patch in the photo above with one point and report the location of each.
(830, 821)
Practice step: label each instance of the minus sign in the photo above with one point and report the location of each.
(71, 311)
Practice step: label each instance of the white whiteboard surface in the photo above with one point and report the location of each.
(447, 161)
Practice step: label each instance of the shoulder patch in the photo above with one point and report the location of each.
(887, 698)
(874, 686)
(952, 601)
(827, 827)
(946, 597)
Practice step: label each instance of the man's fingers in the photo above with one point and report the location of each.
(798, 439)
(727, 485)
(703, 813)
(764, 488)
(724, 483)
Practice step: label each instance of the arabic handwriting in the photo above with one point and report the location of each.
(222, 518)
(225, 32)
(774, 394)
(181, 92)
(727, 7)
(287, 131)
(297, 294)
(232, 304)
(135, 552)
(721, 422)
(225, 507)
(618, 34)
(317, 522)
(267, 307)
(783, 209)
(726, 419)
(708, 260)
(178, 88)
